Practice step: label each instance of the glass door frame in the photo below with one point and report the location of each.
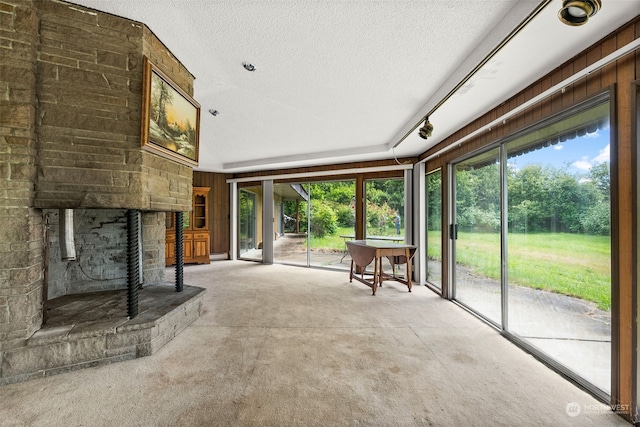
(452, 233)
(605, 96)
(252, 226)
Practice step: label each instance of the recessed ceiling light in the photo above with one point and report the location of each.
(249, 67)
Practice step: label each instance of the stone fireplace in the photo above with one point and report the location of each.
(72, 144)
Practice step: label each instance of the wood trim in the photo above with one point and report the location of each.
(325, 168)
(624, 72)
(635, 330)
(347, 177)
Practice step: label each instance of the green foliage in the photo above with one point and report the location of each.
(333, 205)
(323, 220)
(541, 199)
(346, 215)
(480, 220)
(386, 191)
(385, 199)
(340, 193)
(380, 219)
(478, 198)
(599, 176)
(434, 201)
(246, 213)
(597, 220)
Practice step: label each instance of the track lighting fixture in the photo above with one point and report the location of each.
(425, 131)
(578, 12)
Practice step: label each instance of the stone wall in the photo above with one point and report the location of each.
(100, 241)
(89, 86)
(21, 243)
(71, 93)
(153, 241)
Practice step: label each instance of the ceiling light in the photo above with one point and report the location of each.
(425, 131)
(578, 12)
(249, 67)
(214, 112)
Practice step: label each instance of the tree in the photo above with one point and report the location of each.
(528, 193)
(478, 198)
(323, 220)
(160, 97)
(434, 200)
(601, 179)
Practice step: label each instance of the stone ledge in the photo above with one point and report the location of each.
(60, 347)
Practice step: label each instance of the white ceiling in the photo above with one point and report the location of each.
(344, 80)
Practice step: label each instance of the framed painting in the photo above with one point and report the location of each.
(170, 118)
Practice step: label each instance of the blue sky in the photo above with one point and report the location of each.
(580, 153)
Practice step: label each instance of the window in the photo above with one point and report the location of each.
(532, 247)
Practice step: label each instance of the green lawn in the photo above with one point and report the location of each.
(335, 242)
(331, 242)
(569, 264)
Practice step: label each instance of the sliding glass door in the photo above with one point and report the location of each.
(476, 234)
(434, 229)
(249, 235)
(291, 203)
(332, 223)
(531, 240)
(313, 222)
(559, 246)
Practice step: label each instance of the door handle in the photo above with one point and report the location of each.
(453, 231)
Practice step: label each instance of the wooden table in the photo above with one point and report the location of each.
(348, 237)
(364, 251)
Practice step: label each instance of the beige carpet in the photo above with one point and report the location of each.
(289, 346)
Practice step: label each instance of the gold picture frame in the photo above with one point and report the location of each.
(170, 118)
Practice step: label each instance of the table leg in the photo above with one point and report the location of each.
(374, 286)
(346, 252)
(406, 254)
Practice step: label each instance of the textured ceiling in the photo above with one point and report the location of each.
(340, 80)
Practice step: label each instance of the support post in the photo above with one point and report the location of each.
(179, 253)
(133, 273)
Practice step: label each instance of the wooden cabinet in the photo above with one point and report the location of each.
(195, 226)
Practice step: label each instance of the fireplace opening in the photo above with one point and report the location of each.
(95, 250)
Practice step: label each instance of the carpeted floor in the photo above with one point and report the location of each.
(289, 346)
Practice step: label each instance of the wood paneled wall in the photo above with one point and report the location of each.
(219, 209)
(618, 78)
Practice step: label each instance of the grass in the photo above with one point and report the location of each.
(569, 264)
(334, 242)
(331, 242)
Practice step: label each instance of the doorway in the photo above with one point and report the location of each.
(530, 240)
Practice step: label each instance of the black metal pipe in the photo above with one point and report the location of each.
(179, 253)
(133, 269)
